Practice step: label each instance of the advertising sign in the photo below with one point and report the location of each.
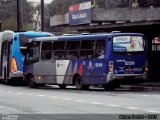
(128, 44)
(80, 14)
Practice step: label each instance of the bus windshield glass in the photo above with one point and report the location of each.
(24, 40)
(128, 44)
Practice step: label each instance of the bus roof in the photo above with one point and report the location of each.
(33, 33)
(80, 36)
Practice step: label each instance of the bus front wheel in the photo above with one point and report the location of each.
(31, 82)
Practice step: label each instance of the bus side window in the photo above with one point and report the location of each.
(73, 48)
(46, 52)
(59, 50)
(100, 49)
(33, 53)
(87, 49)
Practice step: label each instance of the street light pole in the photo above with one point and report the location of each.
(42, 15)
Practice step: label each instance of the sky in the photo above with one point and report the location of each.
(45, 1)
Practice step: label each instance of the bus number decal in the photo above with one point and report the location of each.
(129, 63)
(98, 65)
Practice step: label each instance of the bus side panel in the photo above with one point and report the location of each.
(61, 70)
(94, 72)
(91, 71)
(46, 69)
(35, 69)
(70, 71)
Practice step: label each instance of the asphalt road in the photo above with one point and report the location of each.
(71, 103)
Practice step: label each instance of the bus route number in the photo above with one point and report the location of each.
(129, 63)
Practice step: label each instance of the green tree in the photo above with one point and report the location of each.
(8, 13)
(9, 24)
(62, 6)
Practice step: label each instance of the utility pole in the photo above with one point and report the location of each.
(0, 25)
(42, 15)
(107, 4)
(19, 16)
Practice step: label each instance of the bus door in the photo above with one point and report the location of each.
(47, 63)
(5, 59)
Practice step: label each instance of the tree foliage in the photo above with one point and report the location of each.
(8, 14)
(62, 6)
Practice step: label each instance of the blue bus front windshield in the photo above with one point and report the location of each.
(128, 44)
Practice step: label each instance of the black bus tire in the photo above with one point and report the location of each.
(109, 86)
(31, 82)
(62, 86)
(85, 87)
(79, 84)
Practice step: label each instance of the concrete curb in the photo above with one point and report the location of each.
(141, 87)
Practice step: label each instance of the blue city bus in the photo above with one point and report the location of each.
(83, 60)
(13, 49)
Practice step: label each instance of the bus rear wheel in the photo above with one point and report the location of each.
(110, 86)
(62, 86)
(79, 84)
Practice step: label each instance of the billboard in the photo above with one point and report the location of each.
(80, 14)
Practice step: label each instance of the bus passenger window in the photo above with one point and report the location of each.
(72, 55)
(33, 53)
(73, 49)
(46, 52)
(100, 49)
(87, 49)
(99, 54)
(59, 50)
